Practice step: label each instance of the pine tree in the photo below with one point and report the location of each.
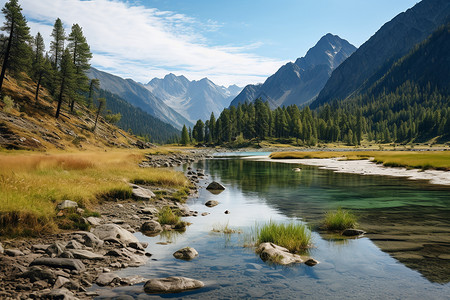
(57, 45)
(81, 54)
(17, 51)
(101, 106)
(184, 136)
(66, 78)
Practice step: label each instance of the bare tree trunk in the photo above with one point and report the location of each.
(5, 60)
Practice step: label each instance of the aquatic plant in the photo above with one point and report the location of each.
(293, 236)
(339, 220)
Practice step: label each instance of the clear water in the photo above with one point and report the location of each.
(405, 254)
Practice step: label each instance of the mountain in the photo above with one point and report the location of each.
(427, 65)
(192, 99)
(140, 122)
(392, 41)
(300, 82)
(137, 95)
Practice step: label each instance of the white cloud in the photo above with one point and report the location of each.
(141, 43)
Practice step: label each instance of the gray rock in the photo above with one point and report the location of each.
(63, 263)
(211, 203)
(105, 279)
(74, 245)
(13, 252)
(132, 280)
(62, 293)
(107, 231)
(149, 211)
(171, 285)
(85, 254)
(279, 255)
(39, 247)
(205, 214)
(40, 284)
(67, 204)
(1, 249)
(215, 186)
(89, 239)
(56, 248)
(36, 273)
(94, 221)
(140, 193)
(137, 246)
(151, 227)
(353, 232)
(186, 253)
(60, 281)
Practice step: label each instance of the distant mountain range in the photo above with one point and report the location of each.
(390, 43)
(137, 95)
(192, 99)
(300, 82)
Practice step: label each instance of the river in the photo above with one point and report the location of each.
(404, 255)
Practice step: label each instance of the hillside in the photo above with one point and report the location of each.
(195, 99)
(138, 96)
(140, 122)
(392, 41)
(30, 125)
(300, 82)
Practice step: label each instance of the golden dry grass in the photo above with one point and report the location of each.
(33, 184)
(439, 160)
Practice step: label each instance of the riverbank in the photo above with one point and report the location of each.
(365, 167)
(67, 263)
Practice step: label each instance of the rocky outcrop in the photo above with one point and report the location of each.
(171, 285)
(140, 193)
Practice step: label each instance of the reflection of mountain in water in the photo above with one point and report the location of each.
(407, 219)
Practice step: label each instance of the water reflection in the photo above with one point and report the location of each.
(393, 210)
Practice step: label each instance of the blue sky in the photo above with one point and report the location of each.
(230, 42)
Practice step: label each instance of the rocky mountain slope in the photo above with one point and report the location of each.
(138, 96)
(192, 99)
(394, 39)
(300, 82)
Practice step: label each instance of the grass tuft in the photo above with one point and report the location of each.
(295, 237)
(339, 220)
(167, 216)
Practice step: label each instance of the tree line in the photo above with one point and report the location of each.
(61, 69)
(410, 113)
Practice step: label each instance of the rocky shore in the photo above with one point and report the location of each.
(67, 264)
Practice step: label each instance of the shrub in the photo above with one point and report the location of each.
(295, 237)
(339, 220)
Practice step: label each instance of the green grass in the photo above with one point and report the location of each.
(225, 229)
(439, 160)
(167, 216)
(295, 237)
(339, 220)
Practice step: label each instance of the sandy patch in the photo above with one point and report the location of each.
(365, 167)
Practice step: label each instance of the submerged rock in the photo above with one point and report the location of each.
(107, 279)
(215, 186)
(186, 253)
(172, 285)
(211, 203)
(353, 232)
